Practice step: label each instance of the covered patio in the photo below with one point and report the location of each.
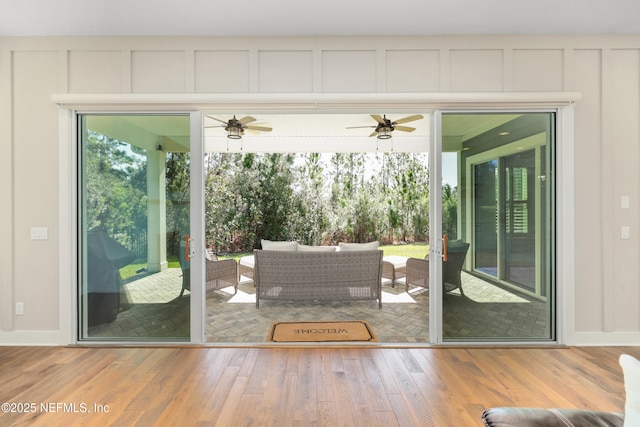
(154, 307)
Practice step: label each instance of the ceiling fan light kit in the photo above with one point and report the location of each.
(384, 133)
(236, 127)
(234, 132)
(385, 127)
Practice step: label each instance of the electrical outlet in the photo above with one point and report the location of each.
(624, 202)
(39, 233)
(19, 308)
(624, 232)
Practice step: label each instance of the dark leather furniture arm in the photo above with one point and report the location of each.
(537, 417)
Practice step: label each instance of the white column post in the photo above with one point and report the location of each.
(156, 211)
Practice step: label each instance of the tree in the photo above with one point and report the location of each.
(115, 188)
(220, 203)
(249, 197)
(368, 218)
(275, 196)
(408, 190)
(450, 211)
(178, 199)
(315, 199)
(309, 217)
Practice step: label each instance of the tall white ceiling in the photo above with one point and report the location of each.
(317, 18)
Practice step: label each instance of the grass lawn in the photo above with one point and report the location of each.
(412, 250)
(138, 264)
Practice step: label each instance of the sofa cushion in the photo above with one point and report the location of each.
(631, 370)
(268, 245)
(307, 248)
(371, 246)
(536, 417)
(247, 261)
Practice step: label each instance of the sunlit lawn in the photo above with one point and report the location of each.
(412, 250)
(139, 264)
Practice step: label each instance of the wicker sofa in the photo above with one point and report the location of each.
(318, 276)
(393, 268)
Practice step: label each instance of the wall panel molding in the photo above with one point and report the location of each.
(609, 232)
(6, 192)
(127, 78)
(219, 73)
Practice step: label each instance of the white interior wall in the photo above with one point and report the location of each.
(606, 70)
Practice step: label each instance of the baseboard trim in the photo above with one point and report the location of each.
(43, 338)
(626, 338)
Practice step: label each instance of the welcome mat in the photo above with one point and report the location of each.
(352, 330)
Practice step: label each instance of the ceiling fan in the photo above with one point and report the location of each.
(237, 127)
(385, 126)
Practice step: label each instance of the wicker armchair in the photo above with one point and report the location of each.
(220, 273)
(417, 273)
(185, 266)
(452, 268)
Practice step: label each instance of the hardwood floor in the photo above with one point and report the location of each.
(58, 386)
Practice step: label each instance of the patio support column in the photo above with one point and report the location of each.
(156, 212)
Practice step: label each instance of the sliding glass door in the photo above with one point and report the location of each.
(498, 260)
(490, 237)
(134, 227)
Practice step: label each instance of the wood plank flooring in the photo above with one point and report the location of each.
(276, 386)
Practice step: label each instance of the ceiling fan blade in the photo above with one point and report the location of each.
(215, 126)
(374, 133)
(359, 127)
(404, 128)
(259, 128)
(251, 132)
(409, 119)
(378, 118)
(218, 120)
(247, 119)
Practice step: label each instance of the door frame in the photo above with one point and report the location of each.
(72, 104)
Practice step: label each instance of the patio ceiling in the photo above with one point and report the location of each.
(318, 133)
(294, 132)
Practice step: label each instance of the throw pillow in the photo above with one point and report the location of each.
(371, 246)
(307, 248)
(268, 245)
(631, 370)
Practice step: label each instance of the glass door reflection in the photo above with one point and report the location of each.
(134, 212)
(505, 213)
